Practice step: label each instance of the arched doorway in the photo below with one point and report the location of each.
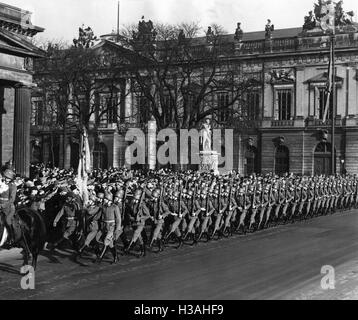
(252, 163)
(282, 160)
(100, 156)
(323, 159)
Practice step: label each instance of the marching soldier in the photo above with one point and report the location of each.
(270, 203)
(263, 204)
(194, 216)
(94, 212)
(303, 201)
(179, 209)
(256, 199)
(111, 217)
(119, 202)
(160, 211)
(310, 199)
(142, 214)
(68, 210)
(244, 204)
(210, 207)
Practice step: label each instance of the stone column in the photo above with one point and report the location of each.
(21, 149)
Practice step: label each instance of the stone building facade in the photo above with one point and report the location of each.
(16, 59)
(286, 132)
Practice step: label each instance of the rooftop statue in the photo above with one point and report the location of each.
(269, 28)
(210, 36)
(146, 31)
(181, 36)
(310, 21)
(324, 9)
(238, 33)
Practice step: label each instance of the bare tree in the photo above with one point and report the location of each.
(183, 77)
(83, 83)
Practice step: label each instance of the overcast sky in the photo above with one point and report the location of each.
(61, 18)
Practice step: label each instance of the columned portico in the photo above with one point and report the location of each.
(16, 79)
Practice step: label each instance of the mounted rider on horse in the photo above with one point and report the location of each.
(8, 191)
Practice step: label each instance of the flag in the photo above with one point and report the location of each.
(84, 166)
(329, 84)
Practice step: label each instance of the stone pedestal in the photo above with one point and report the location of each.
(22, 130)
(209, 160)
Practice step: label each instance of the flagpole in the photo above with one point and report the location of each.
(334, 105)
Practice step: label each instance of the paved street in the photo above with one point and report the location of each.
(280, 263)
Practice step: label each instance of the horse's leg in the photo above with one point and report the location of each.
(35, 254)
(26, 253)
(26, 248)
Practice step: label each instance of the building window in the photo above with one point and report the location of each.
(37, 112)
(111, 105)
(282, 160)
(321, 103)
(100, 157)
(223, 106)
(284, 104)
(253, 105)
(108, 110)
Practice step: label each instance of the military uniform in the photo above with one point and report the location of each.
(7, 201)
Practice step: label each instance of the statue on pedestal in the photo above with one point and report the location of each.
(210, 36)
(238, 33)
(269, 28)
(205, 135)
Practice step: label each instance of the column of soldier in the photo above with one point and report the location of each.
(162, 208)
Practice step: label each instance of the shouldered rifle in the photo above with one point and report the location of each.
(219, 198)
(193, 201)
(230, 194)
(180, 193)
(124, 199)
(254, 198)
(161, 200)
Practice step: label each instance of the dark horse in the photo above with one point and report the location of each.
(30, 235)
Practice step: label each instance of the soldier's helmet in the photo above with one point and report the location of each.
(119, 194)
(100, 195)
(137, 194)
(109, 196)
(190, 193)
(176, 194)
(156, 193)
(9, 174)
